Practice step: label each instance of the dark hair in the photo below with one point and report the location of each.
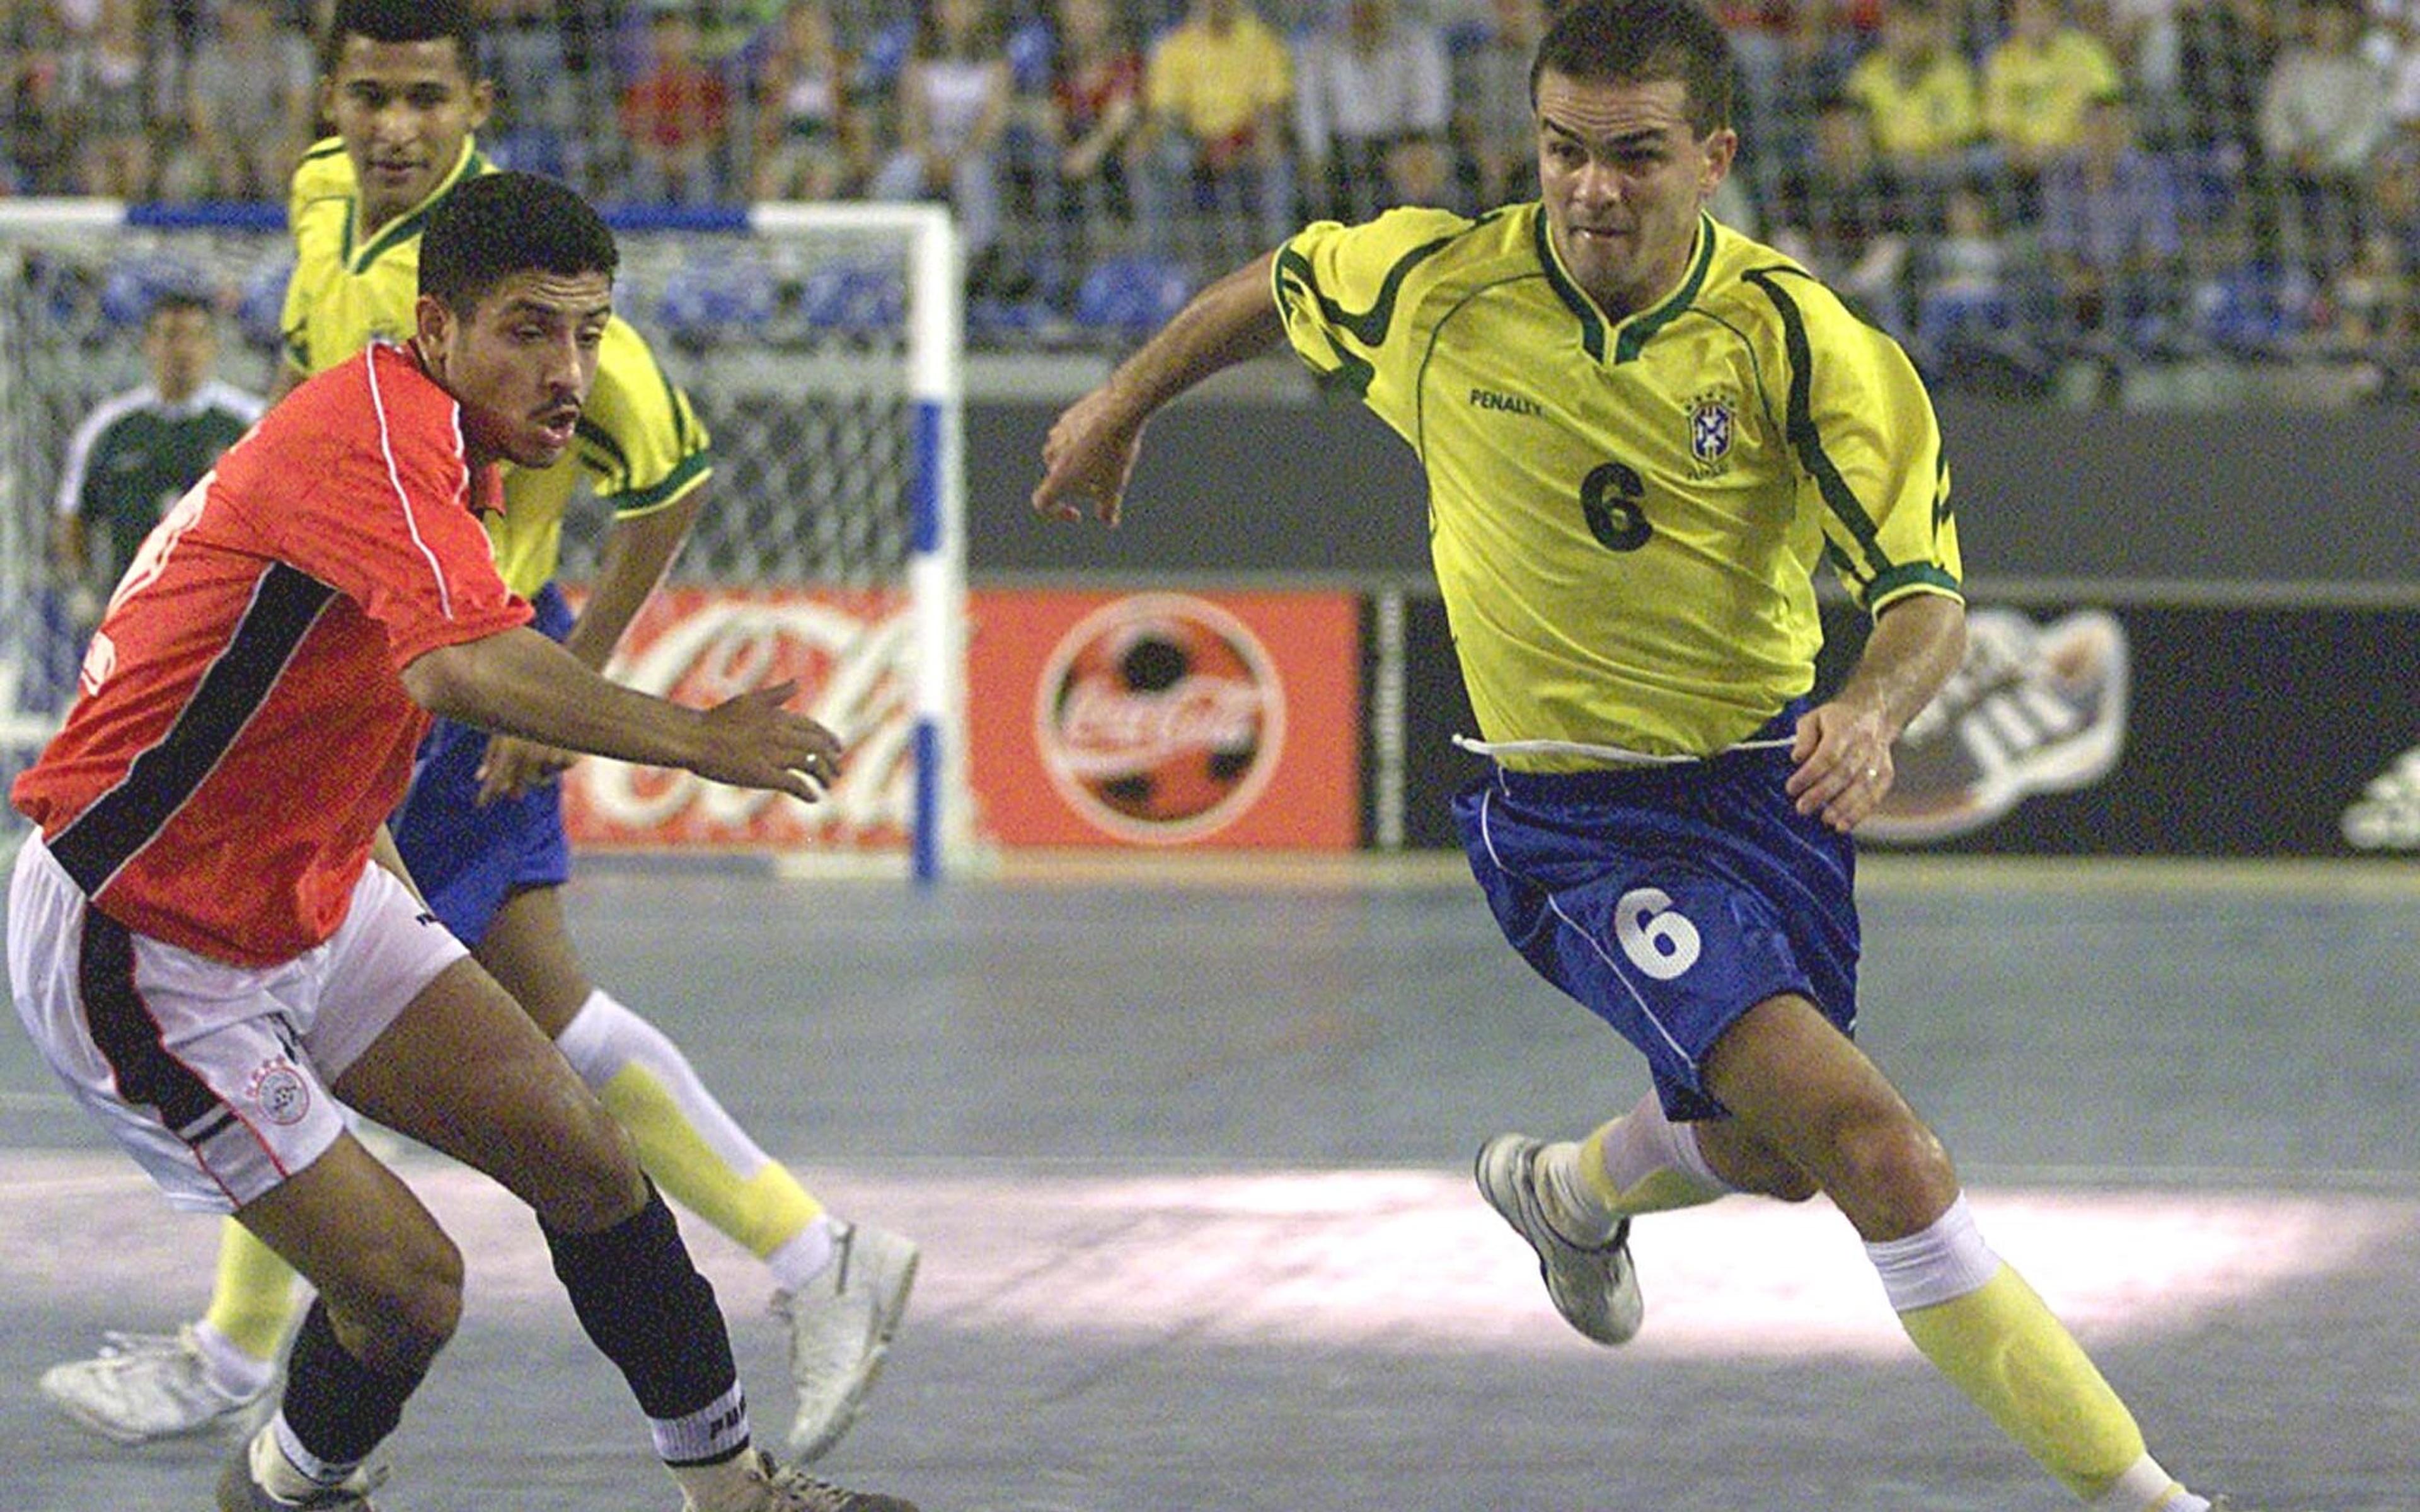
(490, 227)
(403, 21)
(1643, 41)
(170, 301)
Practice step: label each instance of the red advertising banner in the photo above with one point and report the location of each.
(1215, 719)
(850, 651)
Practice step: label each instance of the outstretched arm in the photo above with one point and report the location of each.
(1843, 746)
(1091, 452)
(521, 682)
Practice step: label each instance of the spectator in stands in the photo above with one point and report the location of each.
(1825, 45)
(1370, 111)
(1218, 87)
(136, 455)
(1919, 96)
(1764, 35)
(2111, 237)
(2369, 316)
(1094, 126)
(2322, 118)
(2146, 38)
(110, 92)
(1494, 131)
(2224, 49)
(2038, 82)
(1840, 210)
(251, 94)
(1965, 303)
(953, 106)
(810, 139)
(675, 114)
(538, 124)
(33, 49)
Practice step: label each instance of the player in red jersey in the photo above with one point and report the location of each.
(205, 955)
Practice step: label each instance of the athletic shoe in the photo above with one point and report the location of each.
(764, 1486)
(840, 1324)
(240, 1491)
(144, 1386)
(1595, 1289)
(2033, 708)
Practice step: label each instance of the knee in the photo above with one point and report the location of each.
(403, 1304)
(1889, 1168)
(588, 1178)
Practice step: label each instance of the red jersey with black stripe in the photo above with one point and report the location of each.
(242, 728)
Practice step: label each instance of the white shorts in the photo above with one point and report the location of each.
(213, 1076)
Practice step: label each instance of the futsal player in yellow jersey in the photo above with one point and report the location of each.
(1640, 431)
(482, 830)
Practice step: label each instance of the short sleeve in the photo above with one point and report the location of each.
(1348, 297)
(363, 485)
(1869, 447)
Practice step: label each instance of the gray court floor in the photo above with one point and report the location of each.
(1188, 1162)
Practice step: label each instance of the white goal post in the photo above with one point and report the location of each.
(822, 346)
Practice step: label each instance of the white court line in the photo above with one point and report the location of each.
(1383, 1259)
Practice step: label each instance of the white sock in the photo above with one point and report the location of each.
(806, 1256)
(1940, 1262)
(1644, 1163)
(227, 1365)
(2147, 1487)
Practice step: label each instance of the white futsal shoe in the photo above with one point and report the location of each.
(754, 1483)
(1594, 1287)
(145, 1386)
(840, 1324)
(239, 1488)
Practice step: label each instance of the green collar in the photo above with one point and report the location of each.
(1631, 335)
(412, 221)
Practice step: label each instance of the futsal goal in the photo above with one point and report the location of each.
(822, 346)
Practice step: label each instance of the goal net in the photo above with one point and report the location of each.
(821, 346)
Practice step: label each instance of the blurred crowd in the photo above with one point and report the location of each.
(2011, 186)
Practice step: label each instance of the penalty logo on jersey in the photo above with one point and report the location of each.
(1159, 717)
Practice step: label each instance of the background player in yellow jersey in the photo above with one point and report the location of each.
(1640, 431)
(482, 830)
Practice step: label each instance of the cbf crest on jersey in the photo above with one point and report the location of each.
(1714, 428)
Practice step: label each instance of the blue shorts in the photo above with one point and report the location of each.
(468, 859)
(1669, 901)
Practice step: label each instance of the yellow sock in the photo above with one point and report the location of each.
(2006, 1351)
(252, 1299)
(763, 1210)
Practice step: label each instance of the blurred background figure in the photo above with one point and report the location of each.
(2323, 116)
(110, 89)
(1371, 111)
(2037, 84)
(251, 97)
(1218, 87)
(1094, 130)
(2113, 237)
(809, 140)
(677, 114)
(953, 106)
(1919, 97)
(1493, 132)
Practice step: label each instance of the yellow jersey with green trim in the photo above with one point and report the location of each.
(640, 442)
(1625, 517)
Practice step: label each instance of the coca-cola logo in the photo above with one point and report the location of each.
(1159, 717)
(854, 658)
